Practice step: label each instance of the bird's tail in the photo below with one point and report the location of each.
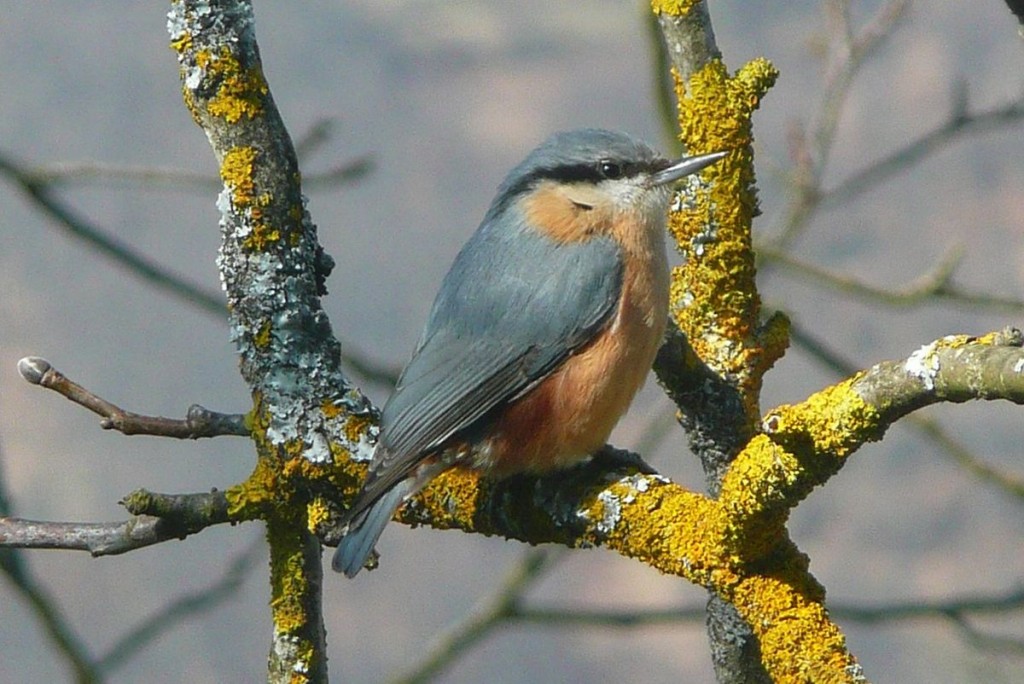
(365, 529)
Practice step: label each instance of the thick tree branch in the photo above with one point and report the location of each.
(308, 419)
(928, 427)
(716, 327)
(808, 442)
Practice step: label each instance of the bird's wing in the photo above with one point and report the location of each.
(513, 307)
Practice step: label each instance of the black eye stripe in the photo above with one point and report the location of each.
(594, 172)
(579, 172)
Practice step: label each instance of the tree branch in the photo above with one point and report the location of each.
(200, 422)
(38, 184)
(158, 518)
(936, 285)
(308, 420)
(926, 426)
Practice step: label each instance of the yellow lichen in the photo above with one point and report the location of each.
(774, 337)
(831, 423)
(236, 170)
(798, 641)
(260, 237)
(331, 409)
(957, 341)
(761, 470)
(356, 427)
(182, 42)
(262, 338)
(676, 8)
(240, 92)
(713, 295)
(247, 500)
(665, 526)
(452, 497)
(317, 513)
(190, 105)
(289, 587)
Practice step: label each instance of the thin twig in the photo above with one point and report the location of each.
(46, 609)
(982, 641)
(314, 138)
(38, 187)
(63, 636)
(374, 371)
(99, 539)
(200, 422)
(967, 459)
(1009, 602)
(157, 518)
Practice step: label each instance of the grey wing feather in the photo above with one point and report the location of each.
(514, 305)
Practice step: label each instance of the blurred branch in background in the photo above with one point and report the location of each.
(490, 613)
(120, 252)
(184, 608)
(934, 286)
(961, 124)
(38, 184)
(507, 606)
(848, 51)
(68, 644)
(58, 174)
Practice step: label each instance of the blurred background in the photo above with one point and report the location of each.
(444, 98)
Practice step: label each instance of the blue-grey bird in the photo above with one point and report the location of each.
(543, 330)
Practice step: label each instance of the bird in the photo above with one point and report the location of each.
(542, 332)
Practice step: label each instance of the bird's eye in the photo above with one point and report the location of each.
(609, 169)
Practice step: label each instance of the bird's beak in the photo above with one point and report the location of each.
(684, 167)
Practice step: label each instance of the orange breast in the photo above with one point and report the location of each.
(570, 414)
